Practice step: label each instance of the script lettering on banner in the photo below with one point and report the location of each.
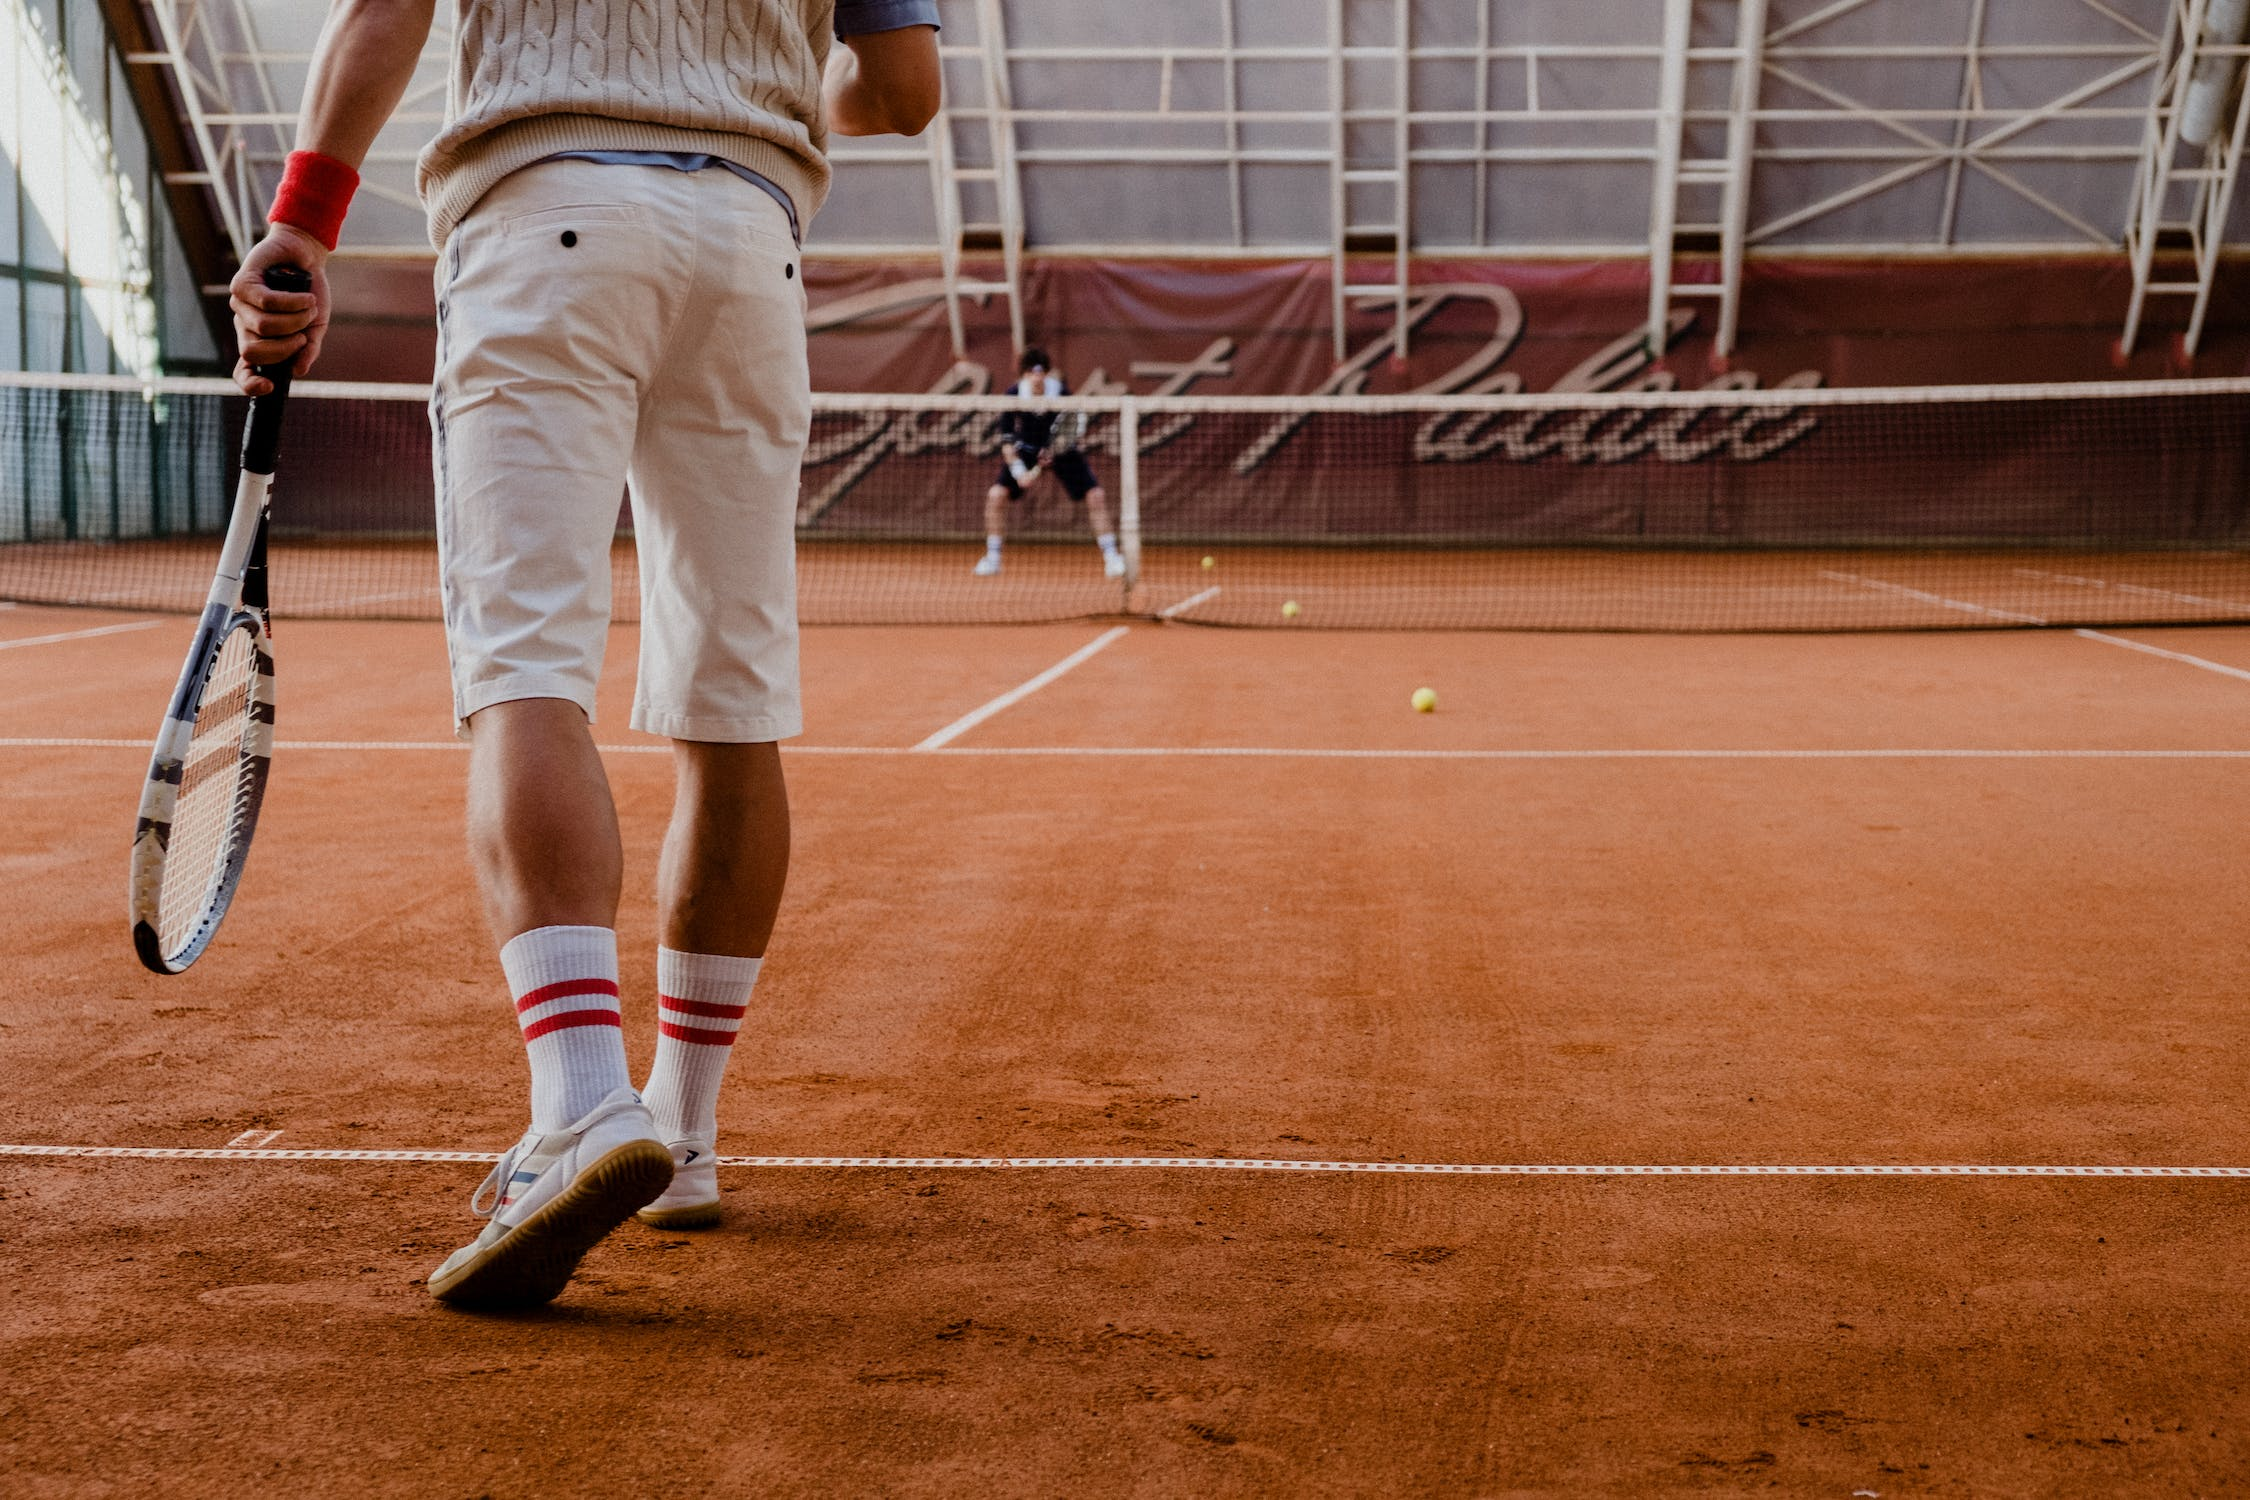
(844, 454)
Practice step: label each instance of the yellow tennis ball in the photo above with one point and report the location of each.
(1425, 701)
(1290, 611)
(1209, 563)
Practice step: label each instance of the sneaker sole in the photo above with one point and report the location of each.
(534, 1263)
(691, 1216)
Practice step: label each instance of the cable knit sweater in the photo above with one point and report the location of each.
(734, 79)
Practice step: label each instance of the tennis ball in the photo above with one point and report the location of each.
(1209, 563)
(1425, 701)
(1290, 611)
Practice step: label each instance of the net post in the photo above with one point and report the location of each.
(1129, 490)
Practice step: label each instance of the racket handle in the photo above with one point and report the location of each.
(261, 441)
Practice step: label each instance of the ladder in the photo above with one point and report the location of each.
(1677, 172)
(949, 177)
(1387, 178)
(2202, 176)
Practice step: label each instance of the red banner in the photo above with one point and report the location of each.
(1230, 327)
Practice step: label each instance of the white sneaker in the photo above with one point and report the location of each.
(551, 1198)
(1113, 565)
(692, 1201)
(987, 565)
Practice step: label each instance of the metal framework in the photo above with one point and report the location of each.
(2191, 160)
(1380, 133)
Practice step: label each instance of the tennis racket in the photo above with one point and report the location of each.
(1069, 431)
(208, 774)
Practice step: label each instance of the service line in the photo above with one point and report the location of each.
(1196, 1164)
(1023, 690)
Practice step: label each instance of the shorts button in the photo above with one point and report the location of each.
(789, 273)
(569, 238)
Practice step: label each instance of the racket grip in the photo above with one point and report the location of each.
(261, 440)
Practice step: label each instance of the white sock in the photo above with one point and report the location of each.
(992, 545)
(564, 980)
(1107, 541)
(701, 999)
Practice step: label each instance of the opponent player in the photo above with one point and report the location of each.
(1026, 447)
(615, 198)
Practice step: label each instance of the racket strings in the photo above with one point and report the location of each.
(213, 803)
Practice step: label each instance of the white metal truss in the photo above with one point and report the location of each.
(2192, 160)
(1677, 173)
(242, 122)
(1743, 127)
(198, 61)
(1385, 176)
(954, 185)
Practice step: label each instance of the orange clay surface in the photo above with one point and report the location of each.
(1552, 958)
(857, 582)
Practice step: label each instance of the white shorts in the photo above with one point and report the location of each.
(599, 325)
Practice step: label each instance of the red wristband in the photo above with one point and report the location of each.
(315, 192)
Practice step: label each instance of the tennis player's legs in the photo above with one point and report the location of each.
(552, 296)
(574, 303)
(715, 476)
(1006, 486)
(597, 320)
(722, 437)
(1076, 476)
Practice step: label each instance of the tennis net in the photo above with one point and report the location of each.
(1786, 509)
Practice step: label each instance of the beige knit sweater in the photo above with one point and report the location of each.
(735, 79)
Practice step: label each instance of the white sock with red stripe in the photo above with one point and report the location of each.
(701, 999)
(565, 983)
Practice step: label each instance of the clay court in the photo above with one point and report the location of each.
(1702, 1064)
(1768, 1019)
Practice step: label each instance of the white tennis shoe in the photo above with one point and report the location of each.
(987, 565)
(548, 1202)
(692, 1201)
(1113, 565)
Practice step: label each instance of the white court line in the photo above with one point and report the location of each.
(2102, 637)
(254, 1138)
(421, 593)
(77, 635)
(2180, 656)
(1255, 752)
(1962, 605)
(1188, 603)
(1251, 752)
(1021, 691)
(1195, 1164)
(2081, 580)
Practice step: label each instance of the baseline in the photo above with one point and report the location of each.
(1193, 1163)
(1249, 752)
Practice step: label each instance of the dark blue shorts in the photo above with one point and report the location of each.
(1070, 470)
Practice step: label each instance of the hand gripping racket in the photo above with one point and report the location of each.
(1069, 432)
(208, 775)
